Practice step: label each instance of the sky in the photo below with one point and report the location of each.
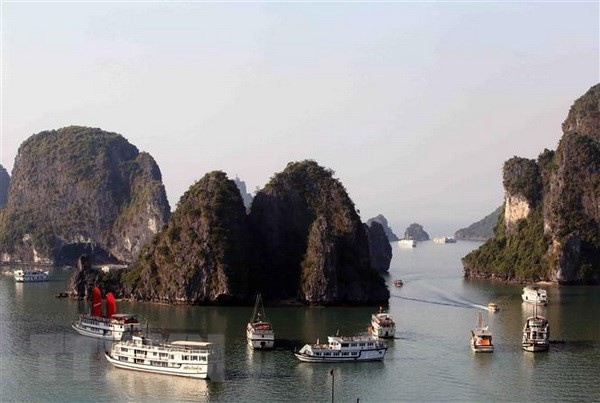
(414, 105)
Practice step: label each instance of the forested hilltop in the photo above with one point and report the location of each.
(550, 226)
(81, 190)
(481, 230)
(302, 242)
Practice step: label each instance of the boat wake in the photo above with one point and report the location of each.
(449, 303)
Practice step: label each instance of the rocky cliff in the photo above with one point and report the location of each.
(4, 185)
(246, 197)
(380, 218)
(415, 231)
(202, 255)
(380, 248)
(481, 230)
(310, 241)
(81, 190)
(550, 228)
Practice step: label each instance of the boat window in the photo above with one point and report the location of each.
(344, 344)
(172, 356)
(327, 353)
(194, 358)
(361, 344)
(344, 353)
(336, 354)
(369, 344)
(353, 344)
(354, 353)
(317, 353)
(202, 358)
(123, 349)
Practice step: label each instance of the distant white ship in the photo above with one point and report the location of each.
(444, 239)
(29, 276)
(408, 243)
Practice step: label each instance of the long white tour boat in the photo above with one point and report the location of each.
(343, 349)
(30, 275)
(535, 295)
(111, 326)
(192, 359)
(382, 325)
(536, 333)
(259, 330)
(481, 337)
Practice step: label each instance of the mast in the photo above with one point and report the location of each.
(259, 310)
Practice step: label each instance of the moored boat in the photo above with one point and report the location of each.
(192, 359)
(111, 326)
(343, 349)
(535, 295)
(382, 325)
(408, 243)
(481, 337)
(31, 275)
(259, 331)
(536, 333)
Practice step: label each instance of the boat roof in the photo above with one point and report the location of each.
(191, 343)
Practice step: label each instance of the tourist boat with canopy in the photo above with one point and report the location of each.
(481, 337)
(382, 325)
(191, 359)
(343, 349)
(259, 331)
(109, 326)
(536, 333)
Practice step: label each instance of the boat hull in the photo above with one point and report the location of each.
(98, 333)
(536, 347)
(368, 355)
(261, 344)
(201, 372)
(383, 332)
(482, 349)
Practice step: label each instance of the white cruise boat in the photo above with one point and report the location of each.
(407, 243)
(535, 295)
(481, 337)
(343, 349)
(259, 330)
(382, 325)
(192, 359)
(536, 333)
(29, 276)
(111, 326)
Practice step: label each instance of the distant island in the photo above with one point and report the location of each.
(415, 231)
(481, 230)
(550, 225)
(389, 233)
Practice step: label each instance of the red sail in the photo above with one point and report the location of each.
(111, 305)
(96, 302)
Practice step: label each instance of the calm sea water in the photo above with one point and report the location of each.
(42, 359)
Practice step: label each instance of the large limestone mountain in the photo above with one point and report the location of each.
(310, 240)
(4, 185)
(380, 248)
(550, 228)
(81, 190)
(201, 256)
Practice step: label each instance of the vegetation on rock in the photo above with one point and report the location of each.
(559, 239)
(481, 230)
(415, 231)
(4, 185)
(79, 189)
(201, 256)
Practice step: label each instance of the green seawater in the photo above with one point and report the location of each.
(43, 359)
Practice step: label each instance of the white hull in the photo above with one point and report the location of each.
(536, 347)
(198, 371)
(31, 276)
(364, 355)
(97, 333)
(261, 344)
(105, 328)
(481, 349)
(407, 243)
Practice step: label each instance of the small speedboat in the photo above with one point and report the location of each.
(398, 283)
(493, 307)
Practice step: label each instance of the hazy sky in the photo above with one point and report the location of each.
(415, 106)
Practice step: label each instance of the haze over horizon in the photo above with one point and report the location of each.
(415, 106)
